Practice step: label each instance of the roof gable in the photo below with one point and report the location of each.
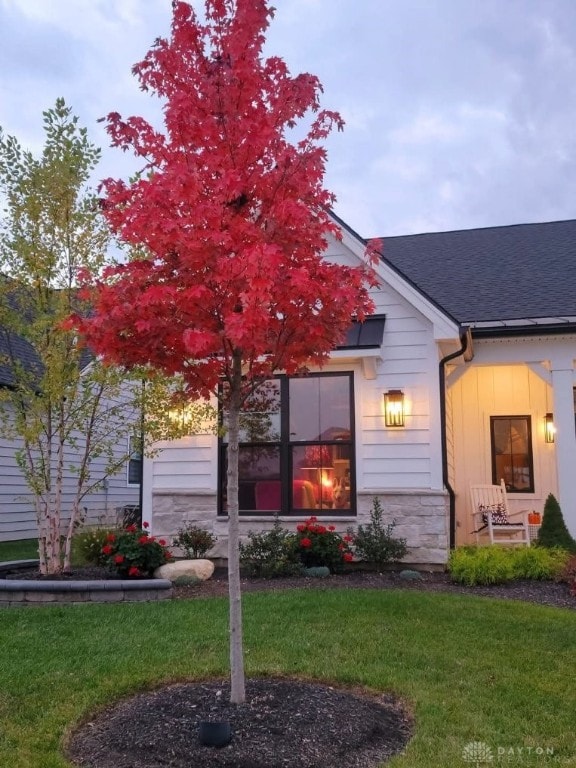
(444, 326)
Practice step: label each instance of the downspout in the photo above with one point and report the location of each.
(445, 480)
(142, 435)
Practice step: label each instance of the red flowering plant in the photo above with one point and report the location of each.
(134, 553)
(321, 545)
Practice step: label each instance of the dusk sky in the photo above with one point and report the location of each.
(459, 113)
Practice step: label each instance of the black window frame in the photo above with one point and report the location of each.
(134, 465)
(510, 486)
(286, 456)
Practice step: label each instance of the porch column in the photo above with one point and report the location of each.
(565, 439)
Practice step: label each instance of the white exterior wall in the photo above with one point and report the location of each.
(401, 466)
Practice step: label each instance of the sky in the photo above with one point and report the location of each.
(459, 113)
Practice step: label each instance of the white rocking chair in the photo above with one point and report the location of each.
(492, 516)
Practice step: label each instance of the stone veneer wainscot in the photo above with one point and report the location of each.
(421, 518)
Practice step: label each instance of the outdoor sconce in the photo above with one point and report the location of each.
(549, 428)
(394, 408)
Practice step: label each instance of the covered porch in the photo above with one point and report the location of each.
(497, 407)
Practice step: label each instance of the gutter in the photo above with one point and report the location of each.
(464, 340)
(512, 331)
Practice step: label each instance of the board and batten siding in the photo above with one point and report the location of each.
(499, 390)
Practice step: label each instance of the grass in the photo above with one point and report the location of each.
(24, 549)
(470, 669)
(27, 549)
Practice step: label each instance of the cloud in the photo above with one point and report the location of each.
(457, 114)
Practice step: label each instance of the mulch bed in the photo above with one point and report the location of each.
(285, 723)
(542, 592)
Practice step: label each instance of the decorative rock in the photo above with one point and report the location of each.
(408, 575)
(317, 572)
(199, 569)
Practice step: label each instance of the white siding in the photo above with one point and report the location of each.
(400, 458)
(187, 464)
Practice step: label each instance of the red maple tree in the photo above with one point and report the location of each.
(230, 219)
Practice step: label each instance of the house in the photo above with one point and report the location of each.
(456, 380)
(17, 513)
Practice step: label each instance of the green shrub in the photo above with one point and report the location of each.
(494, 565)
(553, 531)
(88, 543)
(409, 575)
(480, 565)
(538, 562)
(194, 541)
(270, 553)
(375, 543)
(321, 545)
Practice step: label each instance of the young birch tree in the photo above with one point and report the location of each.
(234, 218)
(65, 410)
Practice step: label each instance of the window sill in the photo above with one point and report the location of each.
(347, 517)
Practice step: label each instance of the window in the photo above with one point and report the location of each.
(296, 448)
(134, 462)
(511, 443)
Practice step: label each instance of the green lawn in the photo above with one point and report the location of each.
(469, 668)
(25, 549)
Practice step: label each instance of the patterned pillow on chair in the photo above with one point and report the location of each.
(498, 513)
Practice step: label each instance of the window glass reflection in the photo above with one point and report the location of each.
(320, 408)
(260, 417)
(259, 487)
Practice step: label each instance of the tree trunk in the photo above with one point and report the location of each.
(238, 688)
(42, 534)
(67, 545)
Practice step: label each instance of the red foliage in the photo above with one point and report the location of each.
(232, 216)
(231, 219)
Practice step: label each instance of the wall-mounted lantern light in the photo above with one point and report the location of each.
(394, 408)
(549, 428)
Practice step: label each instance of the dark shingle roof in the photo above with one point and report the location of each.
(525, 271)
(15, 348)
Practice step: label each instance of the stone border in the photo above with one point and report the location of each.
(24, 592)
